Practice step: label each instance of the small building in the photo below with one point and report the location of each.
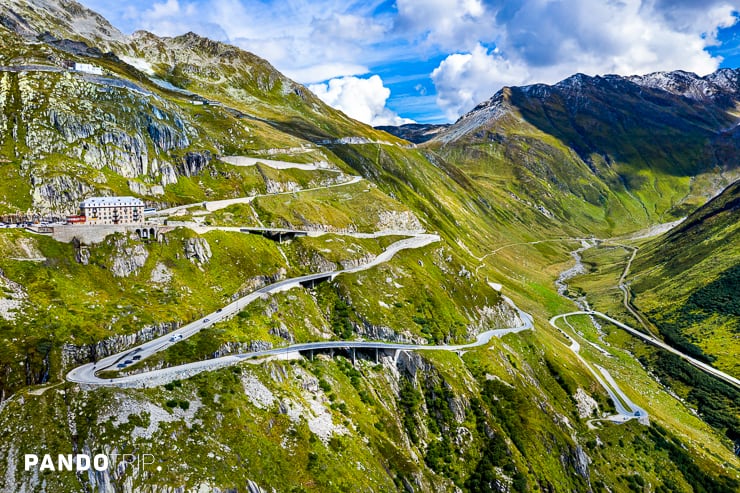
(88, 68)
(112, 210)
(76, 219)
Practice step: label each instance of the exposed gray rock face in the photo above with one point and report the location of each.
(383, 333)
(411, 362)
(282, 332)
(12, 296)
(580, 461)
(198, 250)
(166, 137)
(492, 317)
(319, 264)
(161, 274)
(257, 282)
(194, 163)
(167, 174)
(132, 134)
(73, 355)
(357, 262)
(398, 221)
(82, 255)
(273, 186)
(139, 188)
(60, 194)
(241, 347)
(129, 257)
(585, 404)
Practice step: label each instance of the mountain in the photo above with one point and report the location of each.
(258, 183)
(685, 282)
(628, 146)
(688, 278)
(414, 132)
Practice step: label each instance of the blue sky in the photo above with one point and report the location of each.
(389, 61)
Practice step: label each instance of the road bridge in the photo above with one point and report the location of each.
(275, 234)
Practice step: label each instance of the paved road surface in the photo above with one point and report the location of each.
(272, 163)
(86, 374)
(626, 409)
(215, 205)
(657, 342)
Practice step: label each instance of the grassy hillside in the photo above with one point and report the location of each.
(437, 421)
(686, 281)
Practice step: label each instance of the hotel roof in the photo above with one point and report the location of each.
(111, 202)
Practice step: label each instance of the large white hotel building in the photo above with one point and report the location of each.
(112, 210)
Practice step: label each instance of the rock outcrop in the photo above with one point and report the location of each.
(197, 250)
(12, 296)
(128, 257)
(74, 355)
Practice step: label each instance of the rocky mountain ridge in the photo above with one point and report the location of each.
(721, 89)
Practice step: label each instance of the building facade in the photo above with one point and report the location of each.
(88, 68)
(112, 210)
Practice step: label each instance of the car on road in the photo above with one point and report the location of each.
(175, 337)
(137, 357)
(127, 362)
(217, 311)
(121, 365)
(205, 320)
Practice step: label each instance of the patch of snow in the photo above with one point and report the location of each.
(139, 64)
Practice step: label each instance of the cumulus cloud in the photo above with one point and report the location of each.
(361, 99)
(540, 41)
(465, 79)
(310, 41)
(448, 24)
(485, 43)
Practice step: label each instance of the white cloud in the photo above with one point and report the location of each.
(325, 71)
(361, 99)
(547, 41)
(535, 40)
(448, 24)
(465, 79)
(310, 41)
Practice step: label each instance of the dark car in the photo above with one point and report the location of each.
(121, 365)
(137, 357)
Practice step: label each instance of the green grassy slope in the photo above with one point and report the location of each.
(476, 421)
(686, 281)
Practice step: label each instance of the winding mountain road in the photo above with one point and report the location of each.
(214, 205)
(87, 374)
(658, 343)
(626, 409)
